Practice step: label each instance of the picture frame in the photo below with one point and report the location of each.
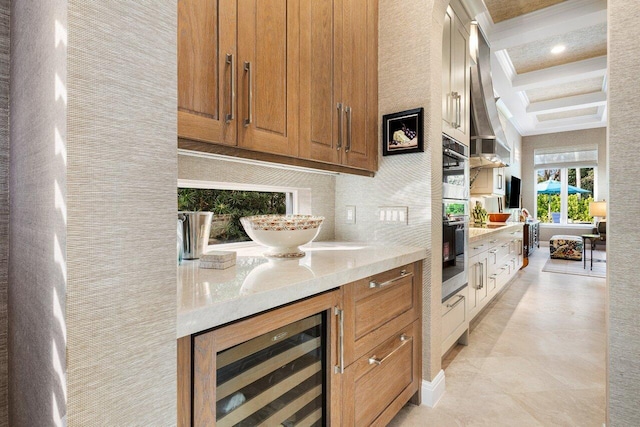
(403, 132)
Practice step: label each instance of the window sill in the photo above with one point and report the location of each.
(556, 225)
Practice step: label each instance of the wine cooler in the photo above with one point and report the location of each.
(275, 379)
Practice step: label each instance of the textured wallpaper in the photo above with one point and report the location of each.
(37, 230)
(411, 180)
(121, 187)
(624, 211)
(4, 206)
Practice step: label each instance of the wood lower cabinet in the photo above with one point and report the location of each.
(292, 366)
(494, 262)
(292, 78)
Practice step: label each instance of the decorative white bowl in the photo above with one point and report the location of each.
(282, 234)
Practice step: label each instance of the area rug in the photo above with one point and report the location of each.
(576, 267)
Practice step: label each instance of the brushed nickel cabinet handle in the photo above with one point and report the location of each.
(458, 110)
(232, 88)
(249, 119)
(373, 360)
(460, 298)
(481, 275)
(339, 145)
(340, 313)
(348, 111)
(374, 284)
(493, 241)
(454, 98)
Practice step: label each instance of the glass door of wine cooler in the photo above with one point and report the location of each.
(276, 379)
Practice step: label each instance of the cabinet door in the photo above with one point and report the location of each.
(320, 72)
(446, 73)
(460, 80)
(359, 57)
(268, 32)
(206, 58)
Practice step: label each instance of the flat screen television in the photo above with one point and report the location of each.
(513, 193)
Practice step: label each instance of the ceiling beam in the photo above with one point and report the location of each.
(587, 100)
(561, 74)
(559, 19)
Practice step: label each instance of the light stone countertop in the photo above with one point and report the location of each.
(476, 233)
(209, 298)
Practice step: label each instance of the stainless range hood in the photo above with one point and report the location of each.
(488, 147)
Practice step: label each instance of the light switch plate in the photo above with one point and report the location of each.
(393, 214)
(350, 215)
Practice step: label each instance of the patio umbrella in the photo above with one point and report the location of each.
(552, 186)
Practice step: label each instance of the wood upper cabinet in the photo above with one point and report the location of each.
(206, 61)
(338, 82)
(237, 77)
(268, 32)
(456, 83)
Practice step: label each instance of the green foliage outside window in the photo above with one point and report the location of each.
(228, 206)
(578, 207)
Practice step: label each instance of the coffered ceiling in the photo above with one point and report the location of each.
(540, 90)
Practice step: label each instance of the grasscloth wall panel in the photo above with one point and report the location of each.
(122, 170)
(623, 213)
(5, 6)
(322, 185)
(406, 80)
(37, 230)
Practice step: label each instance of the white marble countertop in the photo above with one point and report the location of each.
(209, 298)
(478, 233)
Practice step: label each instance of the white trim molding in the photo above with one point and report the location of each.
(432, 391)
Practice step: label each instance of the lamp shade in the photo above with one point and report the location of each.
(598, 209)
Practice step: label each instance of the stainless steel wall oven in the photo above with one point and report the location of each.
(455, 215)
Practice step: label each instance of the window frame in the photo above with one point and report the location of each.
(298, 200)
(564, 190)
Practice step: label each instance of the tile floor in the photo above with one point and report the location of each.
(536, 358)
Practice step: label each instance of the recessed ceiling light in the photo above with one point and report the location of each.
(558, 49)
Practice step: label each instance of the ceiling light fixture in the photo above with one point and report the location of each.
(558, 49)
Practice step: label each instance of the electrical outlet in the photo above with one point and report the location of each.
(393, 214)
(351, 215)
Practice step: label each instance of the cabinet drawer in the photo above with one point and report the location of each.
(453, 314)
(379, 306)
(478, 247)
(383, 297)
(393, 364)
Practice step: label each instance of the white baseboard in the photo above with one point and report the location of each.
(434, 390)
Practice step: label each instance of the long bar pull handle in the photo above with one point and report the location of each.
(348, 111)
(339, 145)
(458, 301)
(374, 284)
(373, 360)
(481, 275)
(454, 97)
(459, 111)
(340, 313)
(247, 69)
(232, 88)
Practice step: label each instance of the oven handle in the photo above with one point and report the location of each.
(455, 154)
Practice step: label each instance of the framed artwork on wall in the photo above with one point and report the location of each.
(403, 132)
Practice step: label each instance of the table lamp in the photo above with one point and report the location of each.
(598, 209)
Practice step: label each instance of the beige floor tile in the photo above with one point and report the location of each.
(536, 358)
(569, 408)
